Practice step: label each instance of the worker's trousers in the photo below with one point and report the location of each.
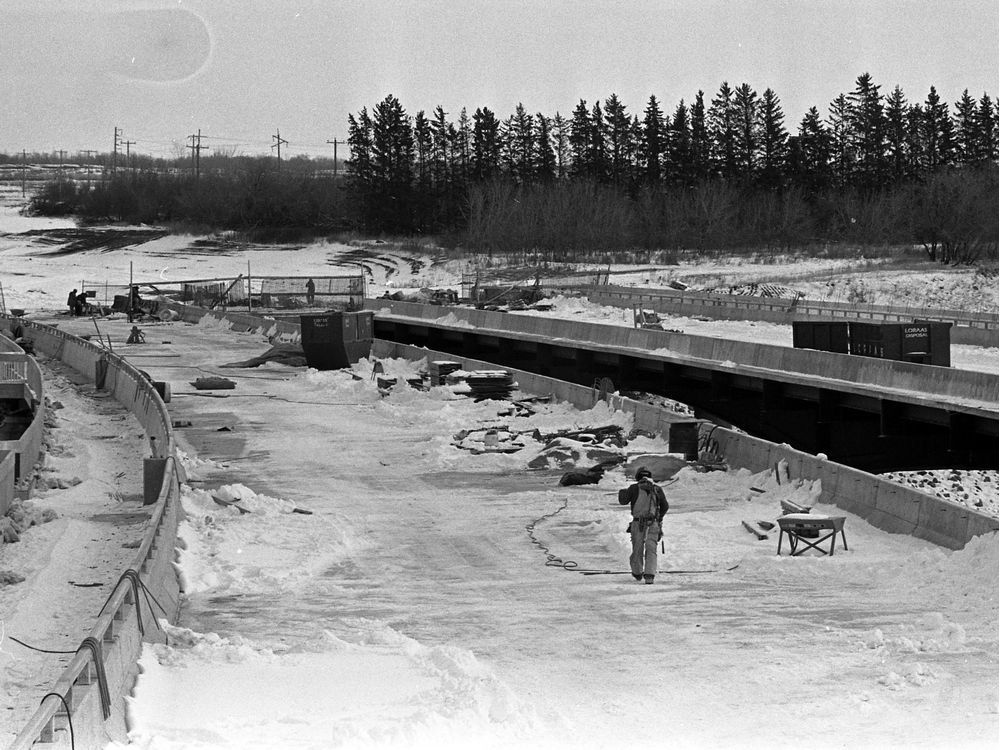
(645, 537)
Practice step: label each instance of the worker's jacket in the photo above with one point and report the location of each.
(629, 495)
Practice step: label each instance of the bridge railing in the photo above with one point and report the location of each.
(980, 328)
(825, 308)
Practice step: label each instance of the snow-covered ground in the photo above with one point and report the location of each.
(914, 283)
(413, 606)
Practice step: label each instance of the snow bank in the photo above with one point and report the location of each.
(379, 689)
(238, 541)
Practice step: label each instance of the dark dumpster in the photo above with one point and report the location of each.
(825, 336)
(334, 340)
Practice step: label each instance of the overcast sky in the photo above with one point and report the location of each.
(243, 70)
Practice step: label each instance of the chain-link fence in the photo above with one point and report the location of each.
(268, 292)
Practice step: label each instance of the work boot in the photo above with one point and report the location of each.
(637, 576)
(647, 578)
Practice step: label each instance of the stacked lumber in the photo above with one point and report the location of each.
(440, 370)
(494, 384)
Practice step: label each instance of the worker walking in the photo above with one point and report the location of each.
(310, 291)
(71, 302)
(649, 505)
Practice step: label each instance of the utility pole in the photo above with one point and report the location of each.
(59, 181)
(88, 155)
(277, 144)
(114, 153)
(335, 142)
(128, 155)
(196, 148)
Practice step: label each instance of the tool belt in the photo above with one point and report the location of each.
(640, 524)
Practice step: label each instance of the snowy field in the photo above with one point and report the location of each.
(412, 607)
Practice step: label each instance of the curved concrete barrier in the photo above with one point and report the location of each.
(884, 504)
(101, 673)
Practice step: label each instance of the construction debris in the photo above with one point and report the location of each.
(482, 384)
(285, 354)
(593, 475)
(754, 530)
(440, 370)
(213, 384)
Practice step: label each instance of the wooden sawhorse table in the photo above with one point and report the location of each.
(805, 528)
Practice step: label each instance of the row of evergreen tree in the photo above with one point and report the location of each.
(415, 173)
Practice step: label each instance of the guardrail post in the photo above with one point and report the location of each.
(153, 470)
(100, 372)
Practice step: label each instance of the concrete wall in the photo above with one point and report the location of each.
(886, 505)
(867, 374)
(128, 619)
(979, 329)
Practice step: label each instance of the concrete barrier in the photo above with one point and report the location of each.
(886, 505)
(147, 591)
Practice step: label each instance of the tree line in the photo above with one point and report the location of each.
(723, 172)
(415, 174)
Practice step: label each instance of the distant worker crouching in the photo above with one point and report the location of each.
(649, 505)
